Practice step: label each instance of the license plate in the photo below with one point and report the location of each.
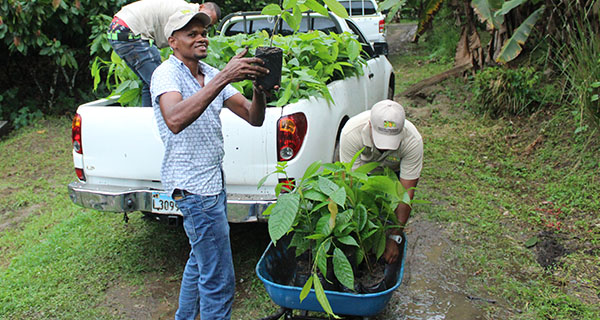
(163, 203)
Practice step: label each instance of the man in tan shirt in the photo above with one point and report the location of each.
(136, 34)
(394, 142)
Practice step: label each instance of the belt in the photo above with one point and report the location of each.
(178, 194)
(123, 36)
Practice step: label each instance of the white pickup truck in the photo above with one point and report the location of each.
(117, 151)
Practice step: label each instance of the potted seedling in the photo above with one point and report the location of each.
(291, 12)
(340, 219)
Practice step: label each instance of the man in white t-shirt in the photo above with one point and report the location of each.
(136, 34)
(394, 142)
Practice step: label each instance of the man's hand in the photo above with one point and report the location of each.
(240, 68)
(391, 252)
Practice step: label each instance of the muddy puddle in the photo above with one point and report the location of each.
(431, 288)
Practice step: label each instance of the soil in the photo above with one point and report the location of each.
(366, 281)
(273, 58)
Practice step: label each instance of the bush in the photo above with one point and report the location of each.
(578, 54)
(499, 91)
(46, 55)
(441, 40)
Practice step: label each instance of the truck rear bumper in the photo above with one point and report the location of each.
(240, 208)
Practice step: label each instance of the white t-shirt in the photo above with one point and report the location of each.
(149, 17)
(407, 159)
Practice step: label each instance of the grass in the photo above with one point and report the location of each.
(498, 184)
(495, 183)
(59, 261)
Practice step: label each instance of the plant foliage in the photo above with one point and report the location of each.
(339, 213)
(500, 91)
(310, 61)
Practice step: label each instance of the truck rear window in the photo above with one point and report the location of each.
(251, 26)
(359, 7)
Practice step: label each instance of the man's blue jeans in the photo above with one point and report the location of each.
(143, 59)
(208, 283)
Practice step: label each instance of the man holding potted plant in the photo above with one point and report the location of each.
(388, 138)
(187, 97)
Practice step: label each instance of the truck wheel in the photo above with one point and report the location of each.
(391, 89)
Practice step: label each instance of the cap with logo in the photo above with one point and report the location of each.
(387, 122)
(181, 18)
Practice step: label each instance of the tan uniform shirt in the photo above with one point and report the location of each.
(408, 158)
(149, 17)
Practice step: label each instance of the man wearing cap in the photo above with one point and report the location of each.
(388, 138)
(136, 34)
(187, 97)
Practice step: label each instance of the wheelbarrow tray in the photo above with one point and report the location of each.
(277, 266)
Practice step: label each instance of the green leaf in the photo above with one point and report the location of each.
(361, 214)
(381, 244)
(315, 236)
(316, 7)
(288, 4)
(485, 11)
(129, 95)
(531, 242)
(323, 227)
(342, 269)
(348, 240)
(321, 257)
(512, 47)
(311, 170)
(353, 50)
(327, 186)
(339, 196)
(306, 288)
(268, 210)
(314, 195)
(367, 167)
(337, 8)
(387, 4)
(283, 215)
(271, 10)
(321, 297)
(509, 5)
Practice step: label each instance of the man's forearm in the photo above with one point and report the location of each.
(257, 109)
(402, 213)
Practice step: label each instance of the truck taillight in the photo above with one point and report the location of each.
(291, 130)
(76, 134)
(381, 25)
(80, 174)
(289, 185)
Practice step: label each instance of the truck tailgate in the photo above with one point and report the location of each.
(250, 154)
(131, 150)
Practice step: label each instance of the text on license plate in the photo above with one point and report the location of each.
(163, 203)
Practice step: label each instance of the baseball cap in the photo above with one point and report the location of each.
(181, 18)
(387, 122)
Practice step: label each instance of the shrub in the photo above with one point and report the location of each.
(45, 46)
(578, 54)
(499, 91)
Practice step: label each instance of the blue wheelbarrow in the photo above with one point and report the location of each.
(277, 266)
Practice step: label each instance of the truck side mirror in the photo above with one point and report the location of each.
(380, 48)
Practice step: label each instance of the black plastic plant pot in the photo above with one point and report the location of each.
(273, 58)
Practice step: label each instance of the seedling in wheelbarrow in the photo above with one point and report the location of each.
(339, 215)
